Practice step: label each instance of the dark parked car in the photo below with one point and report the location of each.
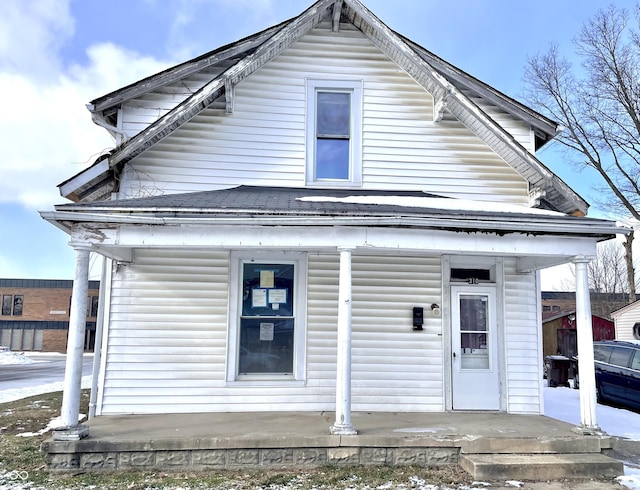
(618, 372)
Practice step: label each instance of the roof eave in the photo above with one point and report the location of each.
(481, 222)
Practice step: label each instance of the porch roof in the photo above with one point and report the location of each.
(342, 206)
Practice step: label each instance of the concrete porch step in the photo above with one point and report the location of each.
(533, 445)
(540, 466)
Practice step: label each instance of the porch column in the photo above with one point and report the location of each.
(342, 425)
(586, 370)
(70, 412)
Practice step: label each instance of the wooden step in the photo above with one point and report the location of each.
(540, 466)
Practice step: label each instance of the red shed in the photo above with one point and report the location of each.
(559, 333)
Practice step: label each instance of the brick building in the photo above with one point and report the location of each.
(559, 303)
(34, 314)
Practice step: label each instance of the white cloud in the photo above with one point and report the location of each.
(45, 129)
(31, 33)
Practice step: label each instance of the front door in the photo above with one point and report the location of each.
(474, 363)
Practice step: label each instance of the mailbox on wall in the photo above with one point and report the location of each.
(418, 317)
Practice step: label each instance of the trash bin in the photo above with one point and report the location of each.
(557, 370)
(573, 372)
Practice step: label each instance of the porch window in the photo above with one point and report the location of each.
(334, 132)
(267, 331)
(267, 320)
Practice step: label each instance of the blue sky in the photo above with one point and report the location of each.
(57, 55)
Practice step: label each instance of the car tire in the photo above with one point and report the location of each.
(599, 398)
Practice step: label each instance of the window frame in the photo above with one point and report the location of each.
(299, 261)
(354, 88)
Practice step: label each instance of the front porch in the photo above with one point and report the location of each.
(488, 445)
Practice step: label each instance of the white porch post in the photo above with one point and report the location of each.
(70, 412)
(586, 368)
(342, 425)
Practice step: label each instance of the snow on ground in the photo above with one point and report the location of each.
(563, 404)
(8, 357)
(14, 394)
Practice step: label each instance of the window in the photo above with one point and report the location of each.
(267, 326)
(635, 364)
(12, 304)
(602, 352)
(620, 357)
(92, 306)
(7, 301)
(18, 301)
(636, 331)
(334, 132)
(470, 276)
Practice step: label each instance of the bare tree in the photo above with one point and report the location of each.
(598, 103)
(607, 279)
(607, 273)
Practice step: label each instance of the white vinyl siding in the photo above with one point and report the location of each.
(139, 113)
(167, 336)
(167, 339)
(522, 341)
(625, 321)
(395, 368)
(263, 141)
(520, 130)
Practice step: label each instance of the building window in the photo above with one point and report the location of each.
(12, 304)
(334, 132)
(18, 301)
(267, 330)
(92, 306)
(7, 301)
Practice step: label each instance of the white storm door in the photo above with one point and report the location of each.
(474, 364)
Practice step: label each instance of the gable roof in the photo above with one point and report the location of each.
(625, 309)
(239, 60)
(571, 312)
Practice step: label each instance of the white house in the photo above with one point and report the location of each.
(322, 216)
(627, 321)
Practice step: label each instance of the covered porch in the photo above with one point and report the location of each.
(487, 445)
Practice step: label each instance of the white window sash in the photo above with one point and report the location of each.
(354, 87)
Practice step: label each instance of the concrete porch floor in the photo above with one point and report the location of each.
(270, 426)
(302, 439)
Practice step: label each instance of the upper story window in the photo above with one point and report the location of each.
(12, 304)
(334, 132)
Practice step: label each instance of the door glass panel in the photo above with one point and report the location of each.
(474, 331)
(267, 321)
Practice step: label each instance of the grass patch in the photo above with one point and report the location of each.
(21, 455)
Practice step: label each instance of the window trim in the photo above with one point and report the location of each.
(237, 259)
(354, 88)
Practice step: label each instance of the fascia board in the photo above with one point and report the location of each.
(528, 224)
(180, 71)
(84, 177)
